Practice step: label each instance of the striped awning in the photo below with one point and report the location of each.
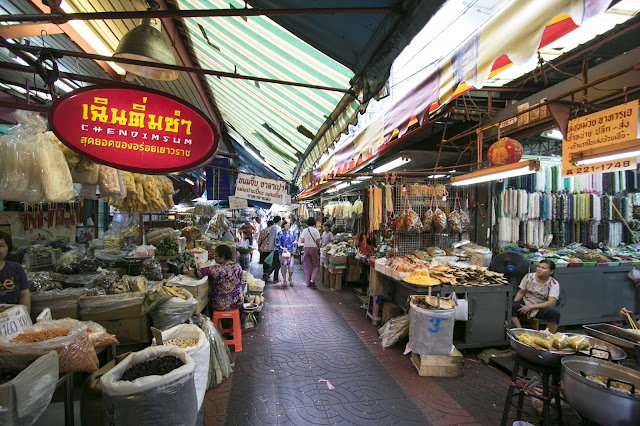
(277, 121)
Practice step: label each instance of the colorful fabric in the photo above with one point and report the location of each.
(285, 239)
(536, 292)
(263, 240)
(225, 286)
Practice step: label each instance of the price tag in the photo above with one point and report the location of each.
(11, 325)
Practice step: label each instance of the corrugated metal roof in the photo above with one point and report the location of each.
(266, 115)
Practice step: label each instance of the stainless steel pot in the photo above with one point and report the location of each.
(599, 403)
(604, 350)
(537, 356)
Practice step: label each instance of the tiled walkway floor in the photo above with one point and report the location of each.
(306, 336)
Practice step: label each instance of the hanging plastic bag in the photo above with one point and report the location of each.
(19, 170)
(57, 183)
(439, 220)
(269, 259)
(200, 353)
(153, 400)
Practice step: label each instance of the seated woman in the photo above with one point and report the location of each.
(537, 295)
(14, 286)
(225, 281)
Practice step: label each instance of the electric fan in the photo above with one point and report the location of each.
(512, 264)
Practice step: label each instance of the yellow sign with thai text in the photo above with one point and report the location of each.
(600, 129)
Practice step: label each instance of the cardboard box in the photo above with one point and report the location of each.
(338, 260)
(127, 330)
(342, 266)
(63, 304)
(111, 306)
(439, 365)
(202, 303)
(197, 288)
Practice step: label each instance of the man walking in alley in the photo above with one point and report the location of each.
(275, 263)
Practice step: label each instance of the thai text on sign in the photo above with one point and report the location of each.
(139, 130)
(600, 129)
(260, 189)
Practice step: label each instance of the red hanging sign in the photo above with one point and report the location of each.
(138, 130)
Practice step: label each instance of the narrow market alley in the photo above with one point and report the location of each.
(308, 336)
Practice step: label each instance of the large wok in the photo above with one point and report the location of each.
(600, 403)
(531, 354)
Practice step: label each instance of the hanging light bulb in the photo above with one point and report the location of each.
(146, 43)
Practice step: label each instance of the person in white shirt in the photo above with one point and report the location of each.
(310, 239)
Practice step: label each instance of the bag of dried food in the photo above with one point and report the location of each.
(57, 183)
(112, 183)
(439, 220)
(69, 338)
(19, 169)
(415, 224)
(173, 312)
(193, 341)
(453, 222)
(154, 399)
(26, 396)
(394, 330)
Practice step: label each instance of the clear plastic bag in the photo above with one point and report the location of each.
(151, 269)
(430, 331)
(169, 399)
(439, 220)
(112, 183)
(221, 365)
(173, 312)
(57, 183)
(27, 395)
(394, 330)
(454, 223)
(91, 305)
(75, 350)
(427, 220)
(20, 178)
(200, 353)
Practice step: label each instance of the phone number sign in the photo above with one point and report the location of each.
(608, 127)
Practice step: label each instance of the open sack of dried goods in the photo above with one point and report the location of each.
(430, 331)
(194, 342)
(69, 338)
(170, 306)
(27, 383)
(144, 193)
(152, 387)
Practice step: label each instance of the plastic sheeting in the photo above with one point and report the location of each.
(173, 312)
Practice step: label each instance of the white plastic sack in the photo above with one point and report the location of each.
(152, 400)
(199, 353)
(26, 397)
(173, 312)
(430, 331)
(478, 255)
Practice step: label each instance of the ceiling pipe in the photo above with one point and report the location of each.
(197, 13)
(61, 53)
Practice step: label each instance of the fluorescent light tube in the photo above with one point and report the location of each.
(496, 173)
(392, 165)
(89, 36)
(612, 157)
(189, 181)
(63, 86)
(617, 151)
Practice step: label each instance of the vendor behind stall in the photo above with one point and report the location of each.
(537, 295)
(225, 281)
(14, 286)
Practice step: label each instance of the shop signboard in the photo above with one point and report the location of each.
(258, 188)
(236, 203)
(135, 129)
(610, 126)
(218, 179)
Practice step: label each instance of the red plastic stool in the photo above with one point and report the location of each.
(236, 330)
